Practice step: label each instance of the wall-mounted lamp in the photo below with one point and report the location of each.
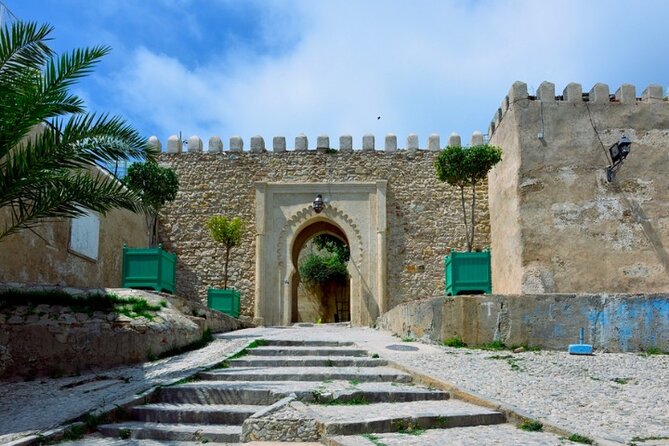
(618, 152)
(318, 203)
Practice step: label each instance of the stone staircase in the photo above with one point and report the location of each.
(339, 388)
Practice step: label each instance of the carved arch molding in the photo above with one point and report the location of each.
(284, 210)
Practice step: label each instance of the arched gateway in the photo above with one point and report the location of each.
(285, 219)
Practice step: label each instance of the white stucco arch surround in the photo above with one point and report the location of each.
(283, 210)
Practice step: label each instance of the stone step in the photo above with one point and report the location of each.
(499, 434)
(309, 361)
(293, 343)
(173, 432)
(402, 417)
(306, 351)
(355, 374)
(194, 413)
(214, 393)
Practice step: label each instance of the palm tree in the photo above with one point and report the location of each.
(50, 147)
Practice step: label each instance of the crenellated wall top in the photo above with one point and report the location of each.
(573, 93)
(257, 144)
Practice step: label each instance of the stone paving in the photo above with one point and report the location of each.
(619, 397)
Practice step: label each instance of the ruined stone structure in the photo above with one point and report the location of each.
(397, 218)
(558, 225)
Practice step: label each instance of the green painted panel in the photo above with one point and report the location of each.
(152, 268)
(224, 300)
(468, 273)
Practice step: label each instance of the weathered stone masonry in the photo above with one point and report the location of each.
(559, 226)
(423, 216)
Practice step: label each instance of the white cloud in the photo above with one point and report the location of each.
(423, 66)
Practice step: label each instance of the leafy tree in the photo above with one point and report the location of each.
(317, 269)
(328, 266)
(229, 232)
(467, 167)
(156, 185)
(332, 244)
(49, 145)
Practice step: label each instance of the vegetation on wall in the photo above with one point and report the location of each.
(156, 185)
(467, 167)
(228, 232)
(49, 145)
(329, 265)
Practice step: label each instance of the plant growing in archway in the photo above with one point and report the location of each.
(467, 167)
(329, 265)
(228, 232)
(156, 185)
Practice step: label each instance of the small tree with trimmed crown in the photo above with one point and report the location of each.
(156, 185)
(228, 232)
(467, 167)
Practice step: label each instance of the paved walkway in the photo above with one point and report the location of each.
(620, 397)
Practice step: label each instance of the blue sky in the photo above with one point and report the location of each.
(285, 67)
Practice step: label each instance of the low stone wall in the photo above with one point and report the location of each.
(285, 421)
(51, 340)
(612, 322)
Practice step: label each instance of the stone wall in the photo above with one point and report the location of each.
(423, 214)
(559, 225)
(52, 340)
(612, 323)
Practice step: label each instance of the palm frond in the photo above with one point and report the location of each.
(69, 194)
(24, 45)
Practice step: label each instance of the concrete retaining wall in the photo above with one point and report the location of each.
(612, 322)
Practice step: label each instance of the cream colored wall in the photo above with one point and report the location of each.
(550, 196)
(45, 259)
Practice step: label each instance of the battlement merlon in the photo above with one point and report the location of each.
(257, 143)
(573, 93)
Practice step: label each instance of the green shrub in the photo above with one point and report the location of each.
(321, 268)
(456, 342)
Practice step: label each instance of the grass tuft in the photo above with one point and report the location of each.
(88, 303)
(531, 426)
(455, 342)
(374, 439)
(576, 438)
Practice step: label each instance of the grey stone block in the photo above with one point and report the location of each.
(412, 142)
(215, 144)
(154, 142)
(454, 140)
(626, 94)
(546, 92)
(236, 144)
(368, 142)
(257, 144)
(174, 144)
(433, 143)
(195, 144)
(652, 93)
(279, 144)
(301, 143)
(599, 93)
(391, 143)
(322, 142)
(477, 138)
(346, 143)
(573, 92)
